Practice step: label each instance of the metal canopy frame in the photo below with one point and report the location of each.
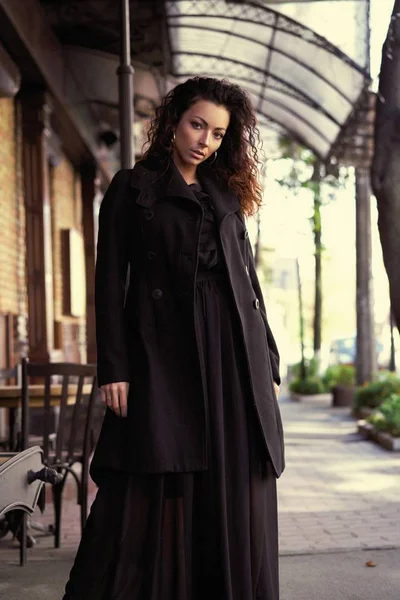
(295, 77)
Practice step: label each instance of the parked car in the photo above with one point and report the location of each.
(343, 351)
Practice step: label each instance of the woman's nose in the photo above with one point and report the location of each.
(204, 138)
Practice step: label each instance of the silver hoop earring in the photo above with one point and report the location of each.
(215, 157)
(172, 142)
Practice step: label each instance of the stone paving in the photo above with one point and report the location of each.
(338, 492)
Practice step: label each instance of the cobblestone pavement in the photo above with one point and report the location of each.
(338, 492)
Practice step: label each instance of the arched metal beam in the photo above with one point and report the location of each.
(267, 66)
(293, 134)
(311, 102)
(282, 124)
(299, 117)
(282, 106)
(272, 49)
(279, 17)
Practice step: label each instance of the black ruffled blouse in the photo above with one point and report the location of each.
(209, 252)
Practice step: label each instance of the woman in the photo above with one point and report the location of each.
(192, 442)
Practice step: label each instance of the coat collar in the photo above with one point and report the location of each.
(155, 179)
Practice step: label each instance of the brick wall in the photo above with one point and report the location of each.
(66, 202)
(8, 210)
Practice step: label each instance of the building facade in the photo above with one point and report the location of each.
(51, 184)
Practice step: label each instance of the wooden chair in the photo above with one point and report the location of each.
(72, 443)
(10, 376)
(7, 374)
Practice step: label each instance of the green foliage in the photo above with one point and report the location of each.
(385, 375)
(265, 261)
(375, 393)
(312, 384)
(387, 417)
(308, 386)
(311, 367)
(314, 186)
(290, 149)
(339, 375)
(306, 175)
(303, 163)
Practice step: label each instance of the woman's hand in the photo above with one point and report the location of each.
(277, 389)
(115, 396)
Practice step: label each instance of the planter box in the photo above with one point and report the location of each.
(363, 412)
(383, 439)
(327, 397)
(366, 429)
(387, 441)
(343, 395)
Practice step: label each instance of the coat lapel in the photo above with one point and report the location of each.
(154, 180)
(225, 201)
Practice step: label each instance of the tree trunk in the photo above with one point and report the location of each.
(301, 323)
(317, 230)
(385, 166)
(366, 350)
(392, 360)
(257, 245)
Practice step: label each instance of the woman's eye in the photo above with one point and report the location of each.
(219, 136)
(196, 125)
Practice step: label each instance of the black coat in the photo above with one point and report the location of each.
(146, 331)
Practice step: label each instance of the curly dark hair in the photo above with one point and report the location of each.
(237, 162)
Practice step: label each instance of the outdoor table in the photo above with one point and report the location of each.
(11, 398)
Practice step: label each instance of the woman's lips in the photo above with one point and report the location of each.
(197, 154)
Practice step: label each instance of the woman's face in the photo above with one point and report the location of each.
(199, 133)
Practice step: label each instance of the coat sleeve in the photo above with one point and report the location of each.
(272, 347)
(110, 282)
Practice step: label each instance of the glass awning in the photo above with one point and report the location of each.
(300, 82)
(296, 78)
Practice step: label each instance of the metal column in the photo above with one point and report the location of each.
(125, 74)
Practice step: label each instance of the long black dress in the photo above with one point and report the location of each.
(185, 536)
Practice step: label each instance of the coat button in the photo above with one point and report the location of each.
(245, 234)
(151, 255)
(256, 304)
(157, 294)
(148, 214)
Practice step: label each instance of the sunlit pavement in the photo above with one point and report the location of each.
(341, 576)
(338, 491)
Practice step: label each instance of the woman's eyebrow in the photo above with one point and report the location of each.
(206, 124)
